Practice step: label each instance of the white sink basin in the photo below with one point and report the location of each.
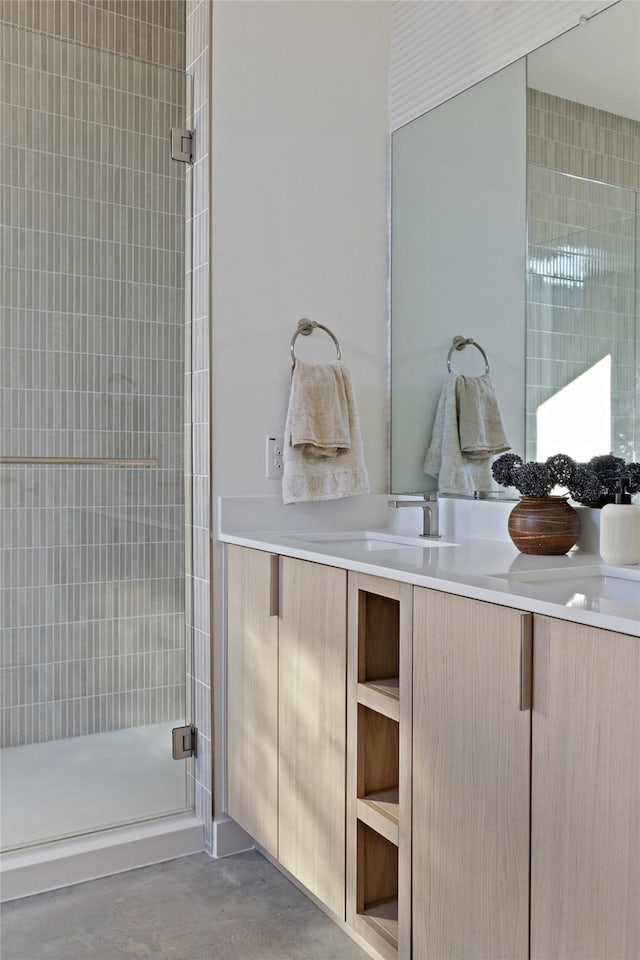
(368, 540)
(588, 587)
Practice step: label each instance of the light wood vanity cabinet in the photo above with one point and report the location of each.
(471, 779)
(312, 727)
(481, 764)
(286, 692)
(252, 694)
(485, 815)
(585, 843)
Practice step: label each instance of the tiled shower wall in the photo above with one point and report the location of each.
(149, 30)
(92, 624)
(582, 273)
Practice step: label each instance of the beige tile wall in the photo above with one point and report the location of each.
(577, 139)
(583, 195)
(92, 598)
(150, 30)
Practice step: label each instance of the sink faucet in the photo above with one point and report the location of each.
(429, 507)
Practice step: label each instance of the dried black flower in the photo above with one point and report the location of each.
(585, 486)
(533, 480)
(561, 468)
(503, 469)
(632, 472)
(608, 469)
(592, 483)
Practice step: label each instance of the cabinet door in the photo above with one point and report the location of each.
(312, 724)
(585, 844)
(471, 779)
(252, 694)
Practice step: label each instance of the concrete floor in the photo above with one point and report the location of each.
(195, 908)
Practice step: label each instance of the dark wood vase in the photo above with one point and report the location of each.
(544, 525)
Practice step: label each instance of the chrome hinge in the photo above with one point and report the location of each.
(183, 742)
(183, 144)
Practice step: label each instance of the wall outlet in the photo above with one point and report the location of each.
(274, 448)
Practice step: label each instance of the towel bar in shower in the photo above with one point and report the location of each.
(459, 343)
(305, 327)
(81, 461)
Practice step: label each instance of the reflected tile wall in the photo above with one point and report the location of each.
(92, 597)
(582, 274)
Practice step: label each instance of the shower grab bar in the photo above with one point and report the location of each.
(459, 343)
(305, 327)
(82, 461)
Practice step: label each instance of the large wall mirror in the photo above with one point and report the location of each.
(515, 212)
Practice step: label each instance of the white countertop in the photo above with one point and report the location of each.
(577, 587)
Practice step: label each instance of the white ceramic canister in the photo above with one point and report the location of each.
(620, 530)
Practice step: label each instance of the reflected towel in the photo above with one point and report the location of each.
(308, 476)
(456, 472)
(480, 425)
(319, 414)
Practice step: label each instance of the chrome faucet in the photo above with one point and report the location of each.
(429, 507)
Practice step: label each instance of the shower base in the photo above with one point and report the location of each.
(75, 809)
(63, 788)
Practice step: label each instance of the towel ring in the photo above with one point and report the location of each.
(459, 343)
(305, 327)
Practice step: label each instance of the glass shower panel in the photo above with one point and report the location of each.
(93, 625)
(582, 280)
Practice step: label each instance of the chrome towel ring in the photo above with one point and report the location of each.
(305, 327)
(459, 343)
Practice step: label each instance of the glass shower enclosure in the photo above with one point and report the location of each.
(94, 455)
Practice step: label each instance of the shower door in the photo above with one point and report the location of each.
(93, 460)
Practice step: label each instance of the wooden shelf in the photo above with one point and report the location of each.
(380, 811)
(382, 696)
(382, 917)
(379, 713)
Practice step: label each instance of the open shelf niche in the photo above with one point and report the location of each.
(379, 762)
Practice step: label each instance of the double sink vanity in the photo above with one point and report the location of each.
(438, 738)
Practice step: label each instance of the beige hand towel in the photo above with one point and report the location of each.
(309, 477)
(319, 422)
(456, 472)
(482, 433)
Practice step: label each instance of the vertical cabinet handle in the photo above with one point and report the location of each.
(526, 661)
(274, 585)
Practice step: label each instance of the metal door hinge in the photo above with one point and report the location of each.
(183, 144)
(184, 742)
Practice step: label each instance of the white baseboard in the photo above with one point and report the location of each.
(228, 838)
(55, 865)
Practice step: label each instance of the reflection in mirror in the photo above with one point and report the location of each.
(457, 263)
(583, 183)
(568, 148)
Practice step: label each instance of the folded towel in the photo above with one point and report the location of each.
(480, 425)
(306, 475)
(456, 472)
(319, 422)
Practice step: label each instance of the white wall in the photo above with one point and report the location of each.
(300, 144)
(300, 197)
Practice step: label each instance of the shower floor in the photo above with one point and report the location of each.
(64, 788)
